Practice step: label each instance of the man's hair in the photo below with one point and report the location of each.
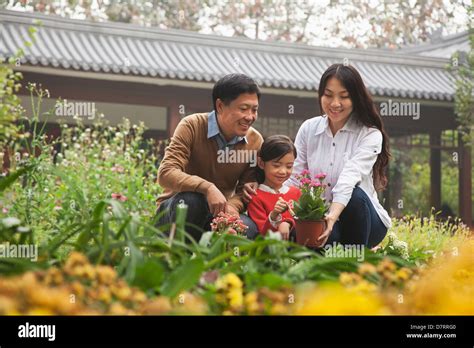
(231, 86)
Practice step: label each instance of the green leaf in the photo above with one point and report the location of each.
(10, 179)
(148, 275)
(183, 278)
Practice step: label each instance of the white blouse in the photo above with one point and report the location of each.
(347, 158)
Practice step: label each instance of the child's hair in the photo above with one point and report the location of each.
(273, 148)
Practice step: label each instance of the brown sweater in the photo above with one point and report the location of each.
(190, 163)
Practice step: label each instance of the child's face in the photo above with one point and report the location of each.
(277, 171)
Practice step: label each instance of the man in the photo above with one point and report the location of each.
(209, 158)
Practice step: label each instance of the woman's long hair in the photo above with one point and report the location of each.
(363, 109)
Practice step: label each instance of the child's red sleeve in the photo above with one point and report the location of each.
(259, 215)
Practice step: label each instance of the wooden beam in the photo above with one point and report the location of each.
(435, 169)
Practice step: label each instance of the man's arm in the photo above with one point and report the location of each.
(171, 173)
(249, 175)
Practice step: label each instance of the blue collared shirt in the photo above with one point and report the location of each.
(213, 131)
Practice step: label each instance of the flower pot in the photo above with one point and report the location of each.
(308, 232)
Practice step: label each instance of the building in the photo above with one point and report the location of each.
(159, 76)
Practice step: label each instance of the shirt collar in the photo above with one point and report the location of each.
(283, 190)
(350, 126)
(213, 130)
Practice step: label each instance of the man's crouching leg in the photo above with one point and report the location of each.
(198, 216)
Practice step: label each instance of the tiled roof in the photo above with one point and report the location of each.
(443, 47)
(118, 48)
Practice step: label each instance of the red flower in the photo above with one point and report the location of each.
(119, 197)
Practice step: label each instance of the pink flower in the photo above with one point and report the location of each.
(315, 184)
(305, 172)
(320, 176)
(4, 210)
(119, 197)
(306, 181)
(228, 223)
(118, 169)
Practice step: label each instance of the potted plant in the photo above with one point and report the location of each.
(310, 209)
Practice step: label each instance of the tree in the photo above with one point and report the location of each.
(365, 23)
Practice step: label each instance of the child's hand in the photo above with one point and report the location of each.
(280, 207)
(284, 230)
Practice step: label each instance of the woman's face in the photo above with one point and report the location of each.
(336, 101)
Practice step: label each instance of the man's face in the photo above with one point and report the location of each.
(236, 118)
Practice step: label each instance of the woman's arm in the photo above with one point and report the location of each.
(359, 165)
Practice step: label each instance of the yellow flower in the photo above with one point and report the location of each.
(235, 298)
(440, 290)
(39, 311)
(118, 309)
(403, 274)
(278, 309)
(106, 274)
(84, 271)
(349, 278)
(7, 305)
(123, 293)
(334, 299)
(230, 280)
(367, 268)
(77, 288)
(138, 297)
(104, 295)
(159, 305)
(53, 276)
(386, 265)
(363, 286)
(75, 259)
(251, 303)
(188, 303)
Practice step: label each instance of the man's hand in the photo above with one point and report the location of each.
(280, 207)
(249, 189)
(284, 230)
(231, 210)
(216, 200)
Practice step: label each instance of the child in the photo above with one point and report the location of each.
(270, 207)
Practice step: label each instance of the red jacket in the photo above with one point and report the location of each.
(262, 205)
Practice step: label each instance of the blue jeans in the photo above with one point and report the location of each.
(358, 223)
(199, 217)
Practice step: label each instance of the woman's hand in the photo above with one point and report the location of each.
(330, 221)
(249, 190)
(334, 211)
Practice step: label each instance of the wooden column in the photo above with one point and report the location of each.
(435, 169)
(465, 183)
(173, 118)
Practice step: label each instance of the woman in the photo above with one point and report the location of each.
(350, 145)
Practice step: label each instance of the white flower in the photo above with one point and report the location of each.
(10, 222)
